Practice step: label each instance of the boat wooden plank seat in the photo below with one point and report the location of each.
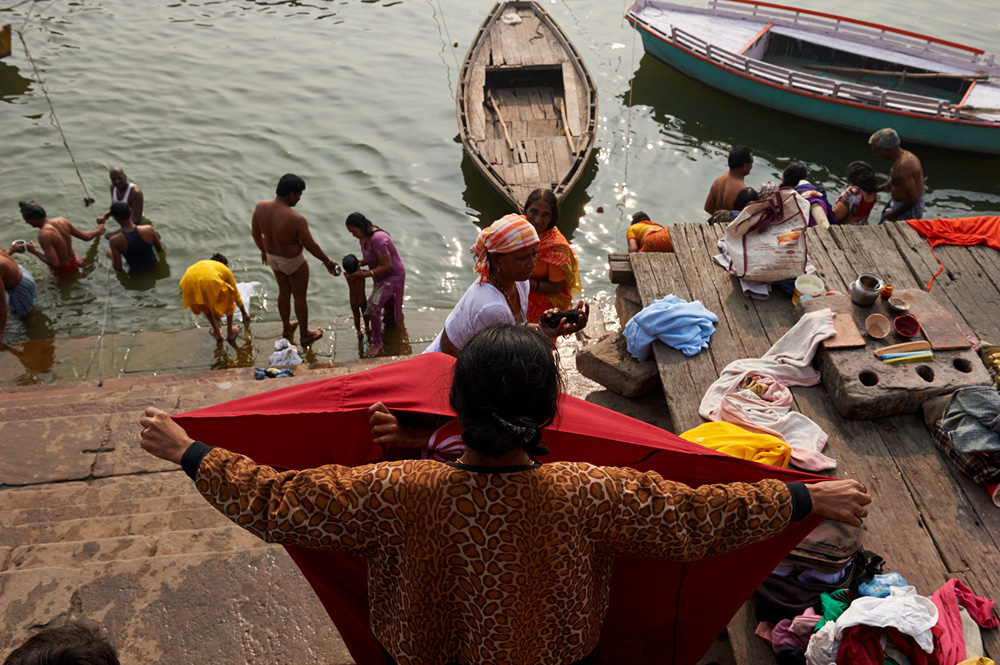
(928, 521)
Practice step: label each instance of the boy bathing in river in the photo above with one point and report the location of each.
(359, 299)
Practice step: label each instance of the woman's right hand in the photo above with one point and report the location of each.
(565, 327)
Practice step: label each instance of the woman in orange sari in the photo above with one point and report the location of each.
(556, 278)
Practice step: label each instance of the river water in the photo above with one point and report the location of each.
(206, 104)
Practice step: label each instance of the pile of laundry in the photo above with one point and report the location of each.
(887, 623)
(754, 394)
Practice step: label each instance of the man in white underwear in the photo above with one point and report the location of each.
(282, 234)
(123, 191)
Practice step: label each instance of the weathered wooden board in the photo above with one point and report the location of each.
(928, 520)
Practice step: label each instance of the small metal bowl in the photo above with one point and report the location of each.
(898, 304)
(877, 326)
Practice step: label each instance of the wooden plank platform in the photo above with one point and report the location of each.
(927, 520)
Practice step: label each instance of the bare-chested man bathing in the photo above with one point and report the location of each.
(282, 234)
(55, 236)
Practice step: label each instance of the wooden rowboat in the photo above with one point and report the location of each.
(854, 74)
(527, 106)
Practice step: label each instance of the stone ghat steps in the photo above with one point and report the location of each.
(92, 526)
(184, 391)
(233, 607)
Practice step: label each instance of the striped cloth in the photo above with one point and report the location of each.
(21, 298)
(445, 444)
(508, 234)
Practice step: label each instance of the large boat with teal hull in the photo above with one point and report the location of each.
(853, 74)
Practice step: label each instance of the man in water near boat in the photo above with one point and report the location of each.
(17, 287)
(138, 244)
(906, 181)
(123, 191)
(55, 236)
(725, 188)
(282, 234)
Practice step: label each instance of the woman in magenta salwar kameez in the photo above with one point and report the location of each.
(386, 270)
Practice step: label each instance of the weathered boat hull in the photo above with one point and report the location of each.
(943, 132)
(527, 111)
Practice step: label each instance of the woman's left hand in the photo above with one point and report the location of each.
(386, 430)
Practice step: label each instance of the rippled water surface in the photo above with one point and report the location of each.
(206, 104)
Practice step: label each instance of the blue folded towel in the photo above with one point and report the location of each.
(685, 326)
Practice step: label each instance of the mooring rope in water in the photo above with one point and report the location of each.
(628, 123)
(87, 200)
(99, 351)
(451, 45)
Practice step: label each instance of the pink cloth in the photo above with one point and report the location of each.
(794, 633)
(787, 363)
(951, 646)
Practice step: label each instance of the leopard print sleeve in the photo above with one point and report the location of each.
(665, 519)
(321, 508)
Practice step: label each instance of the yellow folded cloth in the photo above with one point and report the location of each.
(734, 440)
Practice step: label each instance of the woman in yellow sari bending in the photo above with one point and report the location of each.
(556, 278)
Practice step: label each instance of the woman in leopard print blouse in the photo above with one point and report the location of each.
(495, 558)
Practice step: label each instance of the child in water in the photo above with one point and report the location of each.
(356, 285)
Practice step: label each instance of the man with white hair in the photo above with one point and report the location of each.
(906, 181)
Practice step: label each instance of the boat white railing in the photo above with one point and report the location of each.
(916, 45)
(817, 85)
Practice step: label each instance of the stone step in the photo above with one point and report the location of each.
(98, 492)
(183, 391)
(76, 554)
(227, 608)
(60, 513)
(114, 526)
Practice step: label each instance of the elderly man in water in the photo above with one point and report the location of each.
(123, 191)
(55, 237)
(906, 181)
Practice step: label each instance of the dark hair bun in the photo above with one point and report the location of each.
(504, 390)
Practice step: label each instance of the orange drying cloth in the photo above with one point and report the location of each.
(210, 285)
(958, 231)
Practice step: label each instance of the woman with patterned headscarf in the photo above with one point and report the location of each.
(506, 253)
